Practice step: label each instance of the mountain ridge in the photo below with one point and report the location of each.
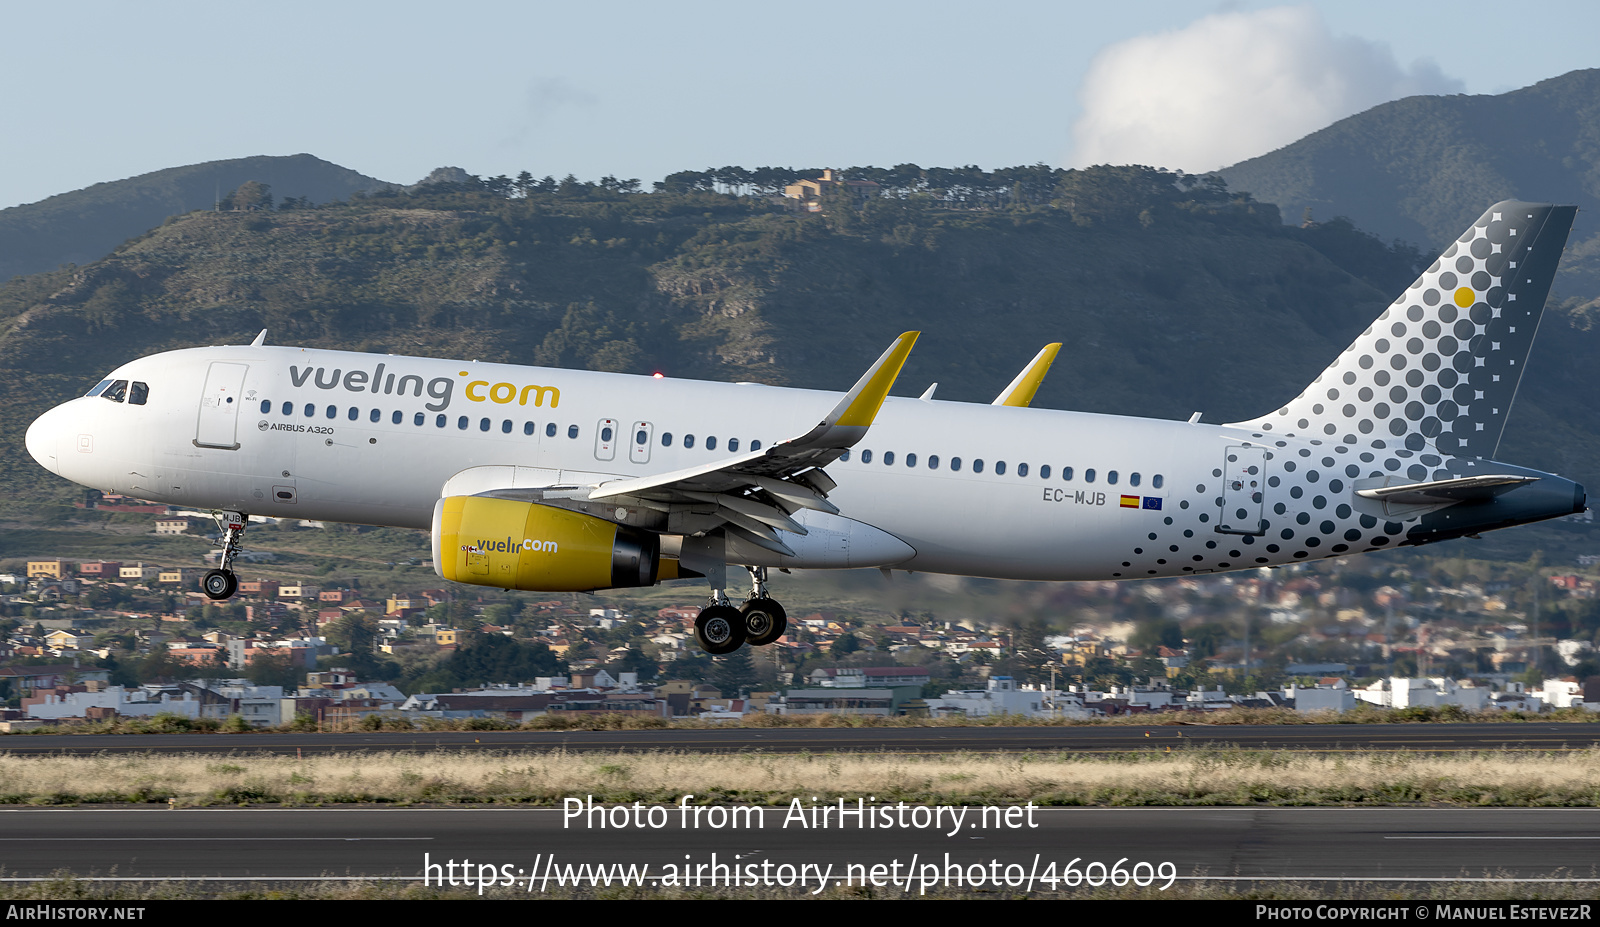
(83, 225)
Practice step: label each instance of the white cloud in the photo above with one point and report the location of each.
(1233, 86)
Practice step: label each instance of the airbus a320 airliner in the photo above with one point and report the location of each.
(562, 480)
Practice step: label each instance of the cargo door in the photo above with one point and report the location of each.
(1243, 487)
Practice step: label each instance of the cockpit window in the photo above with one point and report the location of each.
(116, 392)
(98, 388)
(138, 393)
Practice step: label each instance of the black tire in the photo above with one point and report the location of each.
(764, 621)
(219, 584)
(719, 629)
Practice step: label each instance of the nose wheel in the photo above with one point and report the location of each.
(222, 583)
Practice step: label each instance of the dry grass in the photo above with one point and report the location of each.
(587, 721)
(1205, 776)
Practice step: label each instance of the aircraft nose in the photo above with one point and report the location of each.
(43, 439)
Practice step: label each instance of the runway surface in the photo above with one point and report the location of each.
(1440, 738)
(527, 845)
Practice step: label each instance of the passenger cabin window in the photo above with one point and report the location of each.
(572, 431)
(845, 457)
(1088, 475)
(755, 445)
(977, 465)
(550, 430)
(116, 392)
(1133, 479)
(1000, 468)
(1156, 481)
(288, 408)
(733, 445)
(528, 428)
(688, 440)
(933, 461)
(955, 463)
(1044, 472)
(911, 460)
(1066, 474)
(266, 406)
(711, 443)
(866, 457)
(1111, 477)
(666, 439)
(1022, 469)
(888, 458)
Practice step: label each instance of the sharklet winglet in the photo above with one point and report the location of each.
(1021, 390)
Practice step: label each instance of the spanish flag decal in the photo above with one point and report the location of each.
(1130, 502)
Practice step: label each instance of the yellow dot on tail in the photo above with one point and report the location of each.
(1465, 297)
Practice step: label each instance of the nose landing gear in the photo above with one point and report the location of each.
(222, 583)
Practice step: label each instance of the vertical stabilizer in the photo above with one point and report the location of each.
(1439, 369)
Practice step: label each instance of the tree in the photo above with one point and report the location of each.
(251, 195)
(274, 669)
(734, 674)
(635, 661)
(1161, 632)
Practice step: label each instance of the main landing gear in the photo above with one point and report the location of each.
(721, 628)
(222, 583)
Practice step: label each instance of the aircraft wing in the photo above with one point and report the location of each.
(756, 492)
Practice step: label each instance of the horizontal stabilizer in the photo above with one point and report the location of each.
(1445, 492)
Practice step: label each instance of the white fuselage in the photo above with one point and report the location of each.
(1144, 497)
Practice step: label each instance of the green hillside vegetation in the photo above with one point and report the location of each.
(1170, 294)
(81, 226)
(1423, 167)
(1420, 169)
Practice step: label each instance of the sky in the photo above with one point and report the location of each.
(100, 91)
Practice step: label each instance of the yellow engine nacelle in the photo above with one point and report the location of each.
(523, 545)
